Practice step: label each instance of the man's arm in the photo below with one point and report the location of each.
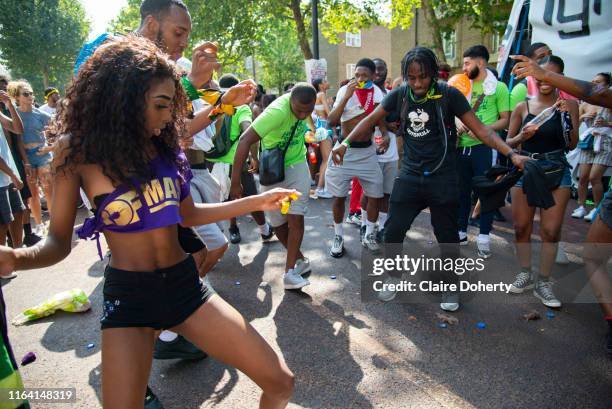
(4, 167)
(247, 139)
(336, 113)
(14, 123)
(363, 129)
(587, 91)
(488, 136)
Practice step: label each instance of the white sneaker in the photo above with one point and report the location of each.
(337, 248)
(561, 256)
(450, 302)
(579, 213)
(323, 194)
(294, 281)
(589, 217)
(386, 294)
(484, 248)
(369, 242)
(302, 266)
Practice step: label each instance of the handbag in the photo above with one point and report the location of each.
(272, 162)
(587, 143)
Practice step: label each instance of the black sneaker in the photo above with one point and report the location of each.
(152, 401)
(267, 237)
(31, 239)
(180, 348)
(234, 235)
(498, 217)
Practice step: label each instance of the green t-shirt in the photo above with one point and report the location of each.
(489, 110)
(274, 128)
(243, 114)
(518, 94)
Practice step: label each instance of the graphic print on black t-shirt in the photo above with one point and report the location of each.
(423, 144)
(418, 122)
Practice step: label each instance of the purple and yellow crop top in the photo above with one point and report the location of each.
(155, 205)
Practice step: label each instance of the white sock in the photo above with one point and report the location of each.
(364, 217)
(483, 238)
(264, 229)
(382, 219)
(168, 336)
(370, 226)
(338, 230)
(462, 235)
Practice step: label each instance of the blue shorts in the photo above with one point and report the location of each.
(566, 179)
(36, 160)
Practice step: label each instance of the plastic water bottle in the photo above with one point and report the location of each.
(378, 140)
(312, 155)
(543, 116)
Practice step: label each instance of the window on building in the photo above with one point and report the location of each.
(496, 40)
(350, 71)
(353, 39)
(449, 44)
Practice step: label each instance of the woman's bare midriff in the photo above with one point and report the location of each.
(145, 251)
(137, 251)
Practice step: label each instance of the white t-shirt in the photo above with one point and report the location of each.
(202, 140)
(5, 154)
(353, 108)
(391, 154)
(48, 110)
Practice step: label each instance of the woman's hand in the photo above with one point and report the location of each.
(528, 132)
(273, 199)
(44, 150)
(562, 105)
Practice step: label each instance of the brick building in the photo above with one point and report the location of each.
(392, 45)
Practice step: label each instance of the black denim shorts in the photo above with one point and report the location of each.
(157, 299)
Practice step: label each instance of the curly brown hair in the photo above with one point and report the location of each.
(104, 111)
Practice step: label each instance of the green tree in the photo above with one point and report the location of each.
(279, 55)
(338, 16)
(488, 16)
(233, 24)
(40, 39)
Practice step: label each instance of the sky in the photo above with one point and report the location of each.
(101, 12)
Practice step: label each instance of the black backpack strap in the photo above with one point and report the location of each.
(291, 137)
(402, 108)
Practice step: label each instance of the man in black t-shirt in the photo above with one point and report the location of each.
(428, 176)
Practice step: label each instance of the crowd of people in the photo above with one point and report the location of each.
(184, 152)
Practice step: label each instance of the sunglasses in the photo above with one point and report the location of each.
(27, 94)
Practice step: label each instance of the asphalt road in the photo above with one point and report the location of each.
(345, 353)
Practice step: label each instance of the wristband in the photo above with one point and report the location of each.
(346, 143)
(510, 155)
(190, 90)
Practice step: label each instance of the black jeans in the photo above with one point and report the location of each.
(411, 194)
